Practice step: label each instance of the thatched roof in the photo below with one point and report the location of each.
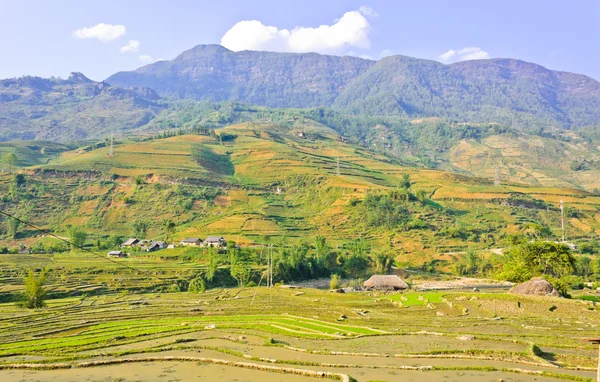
(385, 282)
(535, 286)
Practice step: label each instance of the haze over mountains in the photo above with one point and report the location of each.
(497, 90)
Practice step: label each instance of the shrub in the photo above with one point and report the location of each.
(35, 293)
(335, 281)
(197, 286)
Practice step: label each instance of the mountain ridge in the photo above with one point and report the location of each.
(495, 90)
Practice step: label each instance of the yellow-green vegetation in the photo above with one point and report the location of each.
(466, 336)
(266, 180)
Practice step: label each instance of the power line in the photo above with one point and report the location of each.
(72, 244)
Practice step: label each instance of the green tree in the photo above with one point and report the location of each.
(382, 261)
(12, 227)
(35, 293)
(19, 180)
(584, 266)
(168, 228)
(213, 263)
(405, 181)
(78, 236)
(139, 229)
(11, 160)
(197, 286)
(240, 272)
(537, 259)
(421, 196)
(472, 263)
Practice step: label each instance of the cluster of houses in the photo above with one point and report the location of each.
(151, 246)
(211, 241)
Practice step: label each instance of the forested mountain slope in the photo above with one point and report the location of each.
(72, 109)
(499, 90)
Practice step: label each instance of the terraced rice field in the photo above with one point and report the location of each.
(285, 334)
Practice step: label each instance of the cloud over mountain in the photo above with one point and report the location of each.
(101, 31)
(468, 53)
(350, 31)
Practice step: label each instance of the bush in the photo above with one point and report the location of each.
(35, 293)
(560, 285)
(335, 281)
(197, 286)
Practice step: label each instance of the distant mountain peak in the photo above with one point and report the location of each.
(203, 50)
(77, 77)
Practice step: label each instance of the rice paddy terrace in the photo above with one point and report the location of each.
(300, 335)
(268, 180)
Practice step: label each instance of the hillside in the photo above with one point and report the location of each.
(265, 180)
(523, 94)
(73, 109)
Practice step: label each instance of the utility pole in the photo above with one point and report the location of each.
(338, 165)
(562, 219)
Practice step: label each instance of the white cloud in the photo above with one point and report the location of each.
(146, 59)
(368, 11)
(131, 47)
(102, 32)
(351, 30)
(468, 53)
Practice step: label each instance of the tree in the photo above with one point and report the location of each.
(472, 263)
(584, 266)
(168, 228)
(19, 180)
(10, 159)
(139, 180)
(240, 272)
(139, 229)
(213, 263)
(421, 196)
(405, 181)
(35, 293)
(382, 261)
(537, 259)
(197, 286)
(12, 227)
(78, 236)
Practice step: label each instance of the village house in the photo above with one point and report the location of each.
(155, 246)
(215, 241)
(117, 254)
(130, 242)
(191, 242)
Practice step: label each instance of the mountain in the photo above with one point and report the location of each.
(71, 109)
(212, 72)
(498, 90)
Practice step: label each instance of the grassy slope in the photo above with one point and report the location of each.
(314, 199)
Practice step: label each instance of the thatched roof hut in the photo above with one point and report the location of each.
(537, 287)
(385, 282)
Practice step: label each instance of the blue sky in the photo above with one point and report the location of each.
(47, 38)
